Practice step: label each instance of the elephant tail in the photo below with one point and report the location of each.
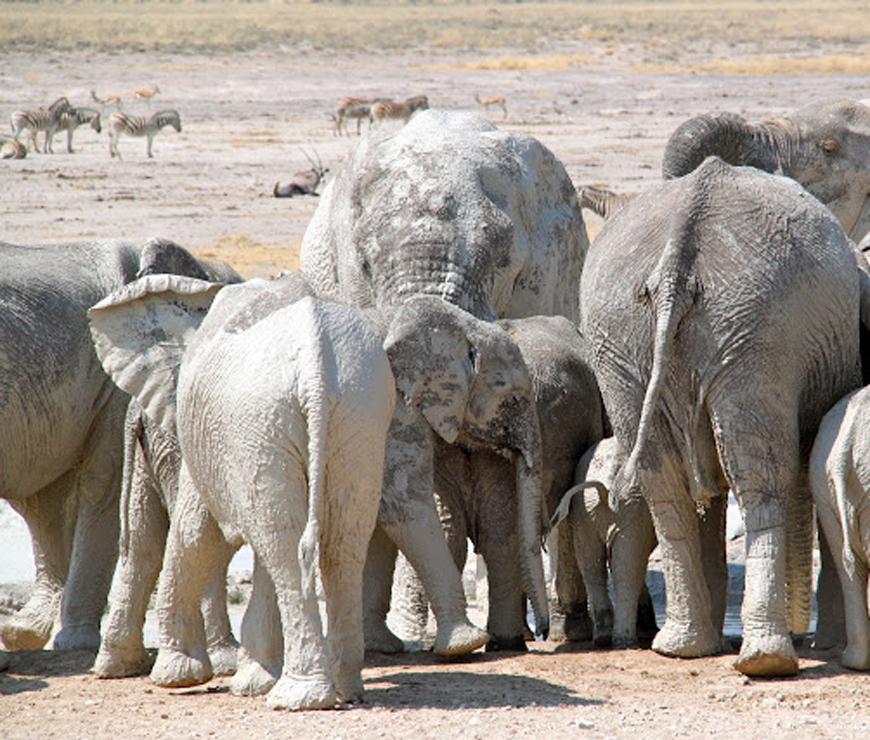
(133, 431)
(317, 414)
(564, 506)
(671, 291)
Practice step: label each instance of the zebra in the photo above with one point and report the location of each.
(402, 111)
(358, 111)
(39, 119)
(69, 121)
(603, 203)
(123, 123)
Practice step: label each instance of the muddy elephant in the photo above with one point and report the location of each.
(61, 421)
(476, 488)
(723, 308)
(613, 533)
(840, 480)
(486, 222)
(282, 410)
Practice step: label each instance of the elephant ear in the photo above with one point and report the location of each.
(433, 363)
(140, 333)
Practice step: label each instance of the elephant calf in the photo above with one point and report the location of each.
(282, 414)
(840, 480)
(612, 526)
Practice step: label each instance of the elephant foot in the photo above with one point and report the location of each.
(253, 679)
(647, 628)
(770, 655)
(4, 661)
(827, 639)
(603, 640)
(294, 694)
(625, 642)
(78, 637)
(459, 639)
(350, 688)
(380, 639)
(174, 669)
(856, 658)
(573, 625)
(498, 643)
(114, 661)
(224, 657)
(19, 633)
(683, 642)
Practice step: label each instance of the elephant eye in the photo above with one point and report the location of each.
(472, 354)
(829, 145)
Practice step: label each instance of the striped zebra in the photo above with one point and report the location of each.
(601, 202)
(69, 121)
(123, 123)
(39, 119)
(402, 111)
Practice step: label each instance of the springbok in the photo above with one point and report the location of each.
(106, 99)
(487, 102)
(144, 93)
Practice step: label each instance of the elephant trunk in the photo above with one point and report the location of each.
(799, 560)
(725, 135)
(530, 508)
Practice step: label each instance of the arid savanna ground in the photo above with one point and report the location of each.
(255, 83)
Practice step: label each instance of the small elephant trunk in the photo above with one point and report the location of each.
(530, 512)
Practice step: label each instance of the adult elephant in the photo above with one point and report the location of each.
(723, 308)
(825, 146)
(61, 422)
(452, 208)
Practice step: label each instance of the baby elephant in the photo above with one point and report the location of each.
(282, 414)
(840, 480)
(611, 526)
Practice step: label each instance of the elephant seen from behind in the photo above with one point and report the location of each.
(282, 412)
(722, 333)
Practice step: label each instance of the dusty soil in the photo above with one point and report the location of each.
(248, 121)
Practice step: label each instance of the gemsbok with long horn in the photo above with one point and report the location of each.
(303, 183)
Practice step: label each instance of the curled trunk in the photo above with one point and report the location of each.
(727, 136)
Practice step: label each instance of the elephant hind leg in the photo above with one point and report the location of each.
(377, 580)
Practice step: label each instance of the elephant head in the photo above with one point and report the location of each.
(824, 146)
(468, 379)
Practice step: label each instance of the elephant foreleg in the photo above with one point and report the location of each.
(193, 537)
(831, 624)
(50, 515)
(222, 645)
(261, 656)
(570, 620)
(378, 580)
(421, 539)
(95, 547)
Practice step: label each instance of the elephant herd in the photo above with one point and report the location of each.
(455, 362)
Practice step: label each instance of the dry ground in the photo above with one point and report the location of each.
(605, 103)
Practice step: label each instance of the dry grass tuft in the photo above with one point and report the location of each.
(769, 65)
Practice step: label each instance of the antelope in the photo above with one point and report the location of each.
(38, 120)
(121, 123)
(12, 149)
(402, 111)
(603, 203)
(106, 99)
(69, 121)
(144, 94)
(487, 102)
(303, 183)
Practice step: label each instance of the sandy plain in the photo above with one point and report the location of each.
(605, 104)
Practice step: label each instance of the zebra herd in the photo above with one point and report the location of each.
(61, 115)
(375, 110)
